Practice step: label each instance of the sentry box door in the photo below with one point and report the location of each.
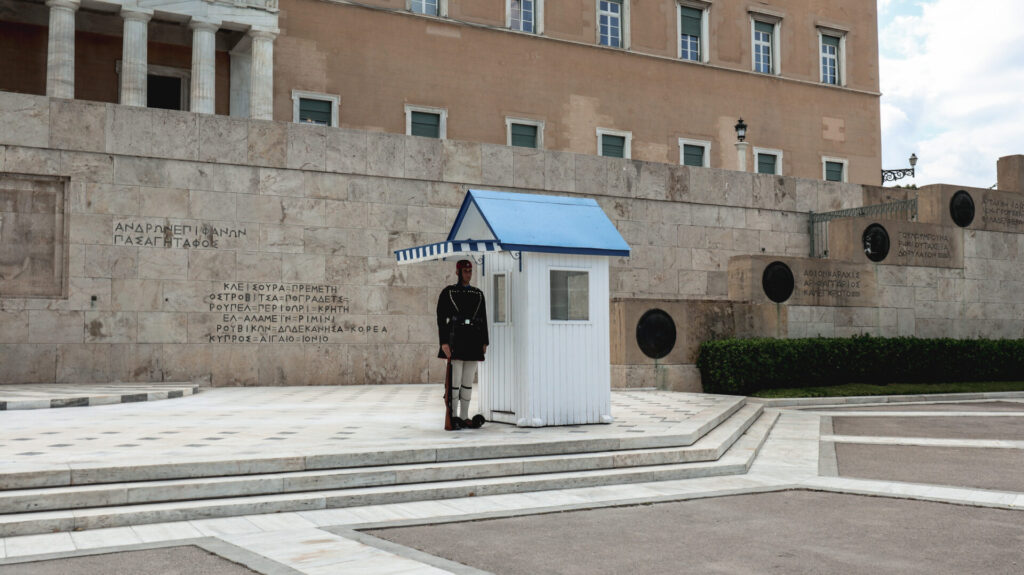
(502, 368)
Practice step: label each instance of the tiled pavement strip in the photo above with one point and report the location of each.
(46, 396)
(323, 541)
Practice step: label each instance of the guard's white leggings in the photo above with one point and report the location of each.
(463, 373)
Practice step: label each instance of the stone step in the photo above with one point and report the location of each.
(86, 473)
(736, 460)
(708, 448)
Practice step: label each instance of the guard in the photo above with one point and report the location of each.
(462, 331)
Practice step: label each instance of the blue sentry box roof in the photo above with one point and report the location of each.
(536, 223)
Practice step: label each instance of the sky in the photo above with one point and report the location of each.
(952, 83)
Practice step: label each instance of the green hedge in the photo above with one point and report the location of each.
(744, 366)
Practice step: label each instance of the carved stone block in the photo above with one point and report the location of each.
(33, 236)
(971, 208)
(907, 243)
(813, 282)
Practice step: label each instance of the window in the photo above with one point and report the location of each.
(525, 15)
(833, 57)
(614, 143)
(612, 23)
(694, 153)
(570, 295)
(763, 33)
(500, 296)
(429, 7)
(613, 146)
(315, 111)
(834, 169)
(768, 161)
(426, 121)
(314, 108)
(692, 33)
(830, 59)
(524, 133)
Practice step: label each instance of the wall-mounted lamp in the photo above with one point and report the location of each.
(741, 130)
(741, 146)
(893, 175)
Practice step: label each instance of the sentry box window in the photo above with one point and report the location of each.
(570, 295)
(500, 300)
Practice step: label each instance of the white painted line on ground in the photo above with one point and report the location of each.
(917, 491)
(925, 441)
(917, 413)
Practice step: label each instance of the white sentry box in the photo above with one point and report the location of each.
(544, 370)
(543, 268)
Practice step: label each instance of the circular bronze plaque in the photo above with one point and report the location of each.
(876, 242)
(961, 208)
(777, 281)
(656, 333)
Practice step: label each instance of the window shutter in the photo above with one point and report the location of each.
(613, 146)
(834, 171)
(524, 135)
(426, 124)
(690, 21)
(315, 111)
(766, 163)
(693, 155)
(830, 41)
(764, 27)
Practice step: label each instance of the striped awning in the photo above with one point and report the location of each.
(442, 250)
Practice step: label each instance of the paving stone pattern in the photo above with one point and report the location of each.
(244, 423)
(786, 532)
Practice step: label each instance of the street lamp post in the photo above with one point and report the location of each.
(893, 175)
(741, 145)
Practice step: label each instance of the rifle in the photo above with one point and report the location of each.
(448, 397)
(448, 378)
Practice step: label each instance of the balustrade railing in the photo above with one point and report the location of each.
(817, 223)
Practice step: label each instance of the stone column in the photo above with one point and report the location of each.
(1010, 173)
(241, 77)
(741, 156)
(134, 57)
(204, 67)
(60, 49)
(261, 83)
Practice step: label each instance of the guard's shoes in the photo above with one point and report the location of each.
(458, 423)
(477, 422)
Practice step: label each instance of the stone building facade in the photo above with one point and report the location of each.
(657, 80)
(156, 245)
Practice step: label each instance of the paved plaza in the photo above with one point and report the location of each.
(276, 425)
(804, 457)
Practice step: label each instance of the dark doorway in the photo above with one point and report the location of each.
(163, 92)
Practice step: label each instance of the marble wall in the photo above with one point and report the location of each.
(245, 252)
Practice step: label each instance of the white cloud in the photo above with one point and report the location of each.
(952, 79)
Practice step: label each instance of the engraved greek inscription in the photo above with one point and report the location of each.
(268, 312)
(924, 245)
(1000, 211)
(162, 234)
(830, 283)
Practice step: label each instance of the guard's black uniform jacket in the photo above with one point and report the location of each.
(462, 322)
